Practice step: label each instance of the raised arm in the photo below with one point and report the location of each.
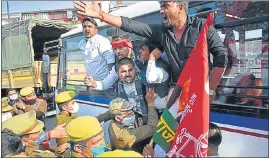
(93, 9)
(220, 58)
(155, 74)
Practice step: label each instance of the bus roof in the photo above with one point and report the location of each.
(131, 11)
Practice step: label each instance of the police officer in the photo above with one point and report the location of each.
(86, 137)
(120, 153)
(69, 108)
(31, 131)
(125, 130)
(7, 111)
(31, 102)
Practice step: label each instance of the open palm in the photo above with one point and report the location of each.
(88, 8)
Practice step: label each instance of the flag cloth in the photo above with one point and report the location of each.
(166, 130)
(191, 138)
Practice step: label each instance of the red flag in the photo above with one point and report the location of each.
(191, 139)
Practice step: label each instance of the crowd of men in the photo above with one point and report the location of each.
(143, 89)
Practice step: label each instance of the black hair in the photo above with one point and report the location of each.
(90, 20)
(204, 12)
(121, 36)
(11, 143)
(11, 89)
(151, 45)
(125, 61)
(214, 135)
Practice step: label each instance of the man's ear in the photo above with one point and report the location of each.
(64, 107)
(24, 141)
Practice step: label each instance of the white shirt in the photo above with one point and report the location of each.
(98, 54)
(107, 82)
(155, 74)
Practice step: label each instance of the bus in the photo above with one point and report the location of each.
(241, 105)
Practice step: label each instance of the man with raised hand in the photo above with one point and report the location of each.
(177, 35)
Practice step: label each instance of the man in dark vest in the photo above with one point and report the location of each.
(177, 35)
(132, 88)
(123, 48)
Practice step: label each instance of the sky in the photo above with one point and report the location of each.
(21, 6)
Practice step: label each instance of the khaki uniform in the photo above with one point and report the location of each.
(121, 137)
(25, 124)
(124, 138)
(82, 128)
(64, 117)
(120, 153)
(40, 105)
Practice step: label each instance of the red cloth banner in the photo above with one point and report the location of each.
(191, 138)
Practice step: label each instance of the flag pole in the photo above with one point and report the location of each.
(8, 17)
(175, 94)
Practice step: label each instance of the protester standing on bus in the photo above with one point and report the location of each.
(126, 131)
(99, 56)
(177, 35)
(68, 108)
(123, 48)
(157, 70)
(131, 87)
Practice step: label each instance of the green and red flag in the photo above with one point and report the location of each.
(166, 130)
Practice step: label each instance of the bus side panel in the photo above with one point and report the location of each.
(94, 109)
(236, 144)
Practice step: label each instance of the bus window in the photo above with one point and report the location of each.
(228, 11)
(73, 43)
(242, 83)
(108, 32)
(75, 70)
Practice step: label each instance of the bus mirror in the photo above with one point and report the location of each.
(46, 63)
(60, 43)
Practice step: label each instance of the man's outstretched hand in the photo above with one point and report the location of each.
(89, 8)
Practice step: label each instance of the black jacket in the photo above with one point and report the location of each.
(178, 53)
